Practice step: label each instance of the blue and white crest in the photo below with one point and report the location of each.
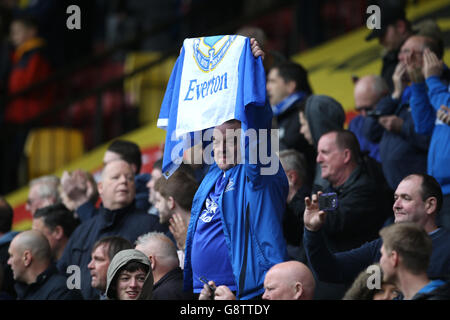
(209, 51)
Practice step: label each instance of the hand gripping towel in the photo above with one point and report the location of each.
(214, 79)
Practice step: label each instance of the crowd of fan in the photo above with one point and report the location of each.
(225, 232)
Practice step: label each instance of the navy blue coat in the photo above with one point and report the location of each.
(127, 222)
(49, 285)
(344, 267)
(401, 153)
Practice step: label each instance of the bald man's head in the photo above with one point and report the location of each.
(291, 280)
(35, 242)
(368, 91)
(29, 255)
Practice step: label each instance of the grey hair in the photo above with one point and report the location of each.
(164, 247)
(294, 160)
(49, 187)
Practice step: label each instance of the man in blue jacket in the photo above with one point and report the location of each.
(436, 91)
(418, 199)
(235, 233)
(402, 150)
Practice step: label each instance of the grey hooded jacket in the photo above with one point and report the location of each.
(121, 259)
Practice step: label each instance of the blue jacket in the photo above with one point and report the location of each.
(401, 153)
(252, 207)
(343, 267)
(424, 115)
(356, 126)
(252, 223)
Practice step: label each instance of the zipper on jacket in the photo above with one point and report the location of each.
(244, 261)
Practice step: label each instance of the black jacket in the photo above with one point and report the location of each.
(390, 61)
(170, 287)
(293, 217)
(363, 207)
(49, 285)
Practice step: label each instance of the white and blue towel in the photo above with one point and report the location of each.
(213, 80)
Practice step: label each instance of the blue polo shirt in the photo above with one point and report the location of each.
(210, 257)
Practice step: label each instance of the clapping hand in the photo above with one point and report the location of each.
(313, 217)
(443, 114)
(432, 66)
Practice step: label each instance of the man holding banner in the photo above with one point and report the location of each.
(216, 94)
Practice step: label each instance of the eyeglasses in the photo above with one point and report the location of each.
(412, 52)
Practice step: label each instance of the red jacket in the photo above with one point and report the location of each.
(28, 66)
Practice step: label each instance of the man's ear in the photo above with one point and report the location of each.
(347, 155)
(100, 188)
(298, 290)
(171, 203)
(152, 262)
(395, 258)
(58, 232)
(292, 176)
(431, 205)
(291, 86)
(27, 258)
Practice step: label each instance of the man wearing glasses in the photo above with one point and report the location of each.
(368, 91)
(402, 150)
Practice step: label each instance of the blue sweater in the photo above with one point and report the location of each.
(424, 115)
(344, 267)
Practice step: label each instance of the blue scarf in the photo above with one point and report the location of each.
(288, 102)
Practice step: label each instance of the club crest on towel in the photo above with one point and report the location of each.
(209, 51)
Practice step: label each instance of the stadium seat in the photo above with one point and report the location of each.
(147, 89)
(48, 149)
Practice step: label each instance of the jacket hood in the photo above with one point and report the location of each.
(323, 114)
(120, 260)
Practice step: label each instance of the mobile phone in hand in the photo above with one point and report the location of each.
(328, 201)
(205, 281)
